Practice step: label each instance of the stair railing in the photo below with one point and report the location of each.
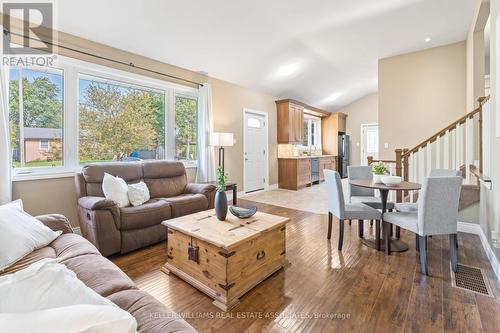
(456, 146)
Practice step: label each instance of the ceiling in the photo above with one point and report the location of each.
(322, 52)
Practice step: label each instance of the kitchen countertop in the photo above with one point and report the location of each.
(304, 157)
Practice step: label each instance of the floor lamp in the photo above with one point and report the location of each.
(221, 140)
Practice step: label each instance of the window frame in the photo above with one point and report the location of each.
(72, 71)
(317, 134)
(190, 163)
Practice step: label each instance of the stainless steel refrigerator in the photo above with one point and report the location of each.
(343, 158)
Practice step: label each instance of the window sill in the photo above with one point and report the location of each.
(40, 175)
(20, 176)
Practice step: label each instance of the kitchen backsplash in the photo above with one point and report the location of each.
(289, 150)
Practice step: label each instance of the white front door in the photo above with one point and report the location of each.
(369, 145)
(255, 151)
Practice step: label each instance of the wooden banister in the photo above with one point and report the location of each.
(453, 125)
(371, 160)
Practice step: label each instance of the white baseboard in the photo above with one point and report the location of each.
(472, 228)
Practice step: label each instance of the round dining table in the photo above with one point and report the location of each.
(377, 243)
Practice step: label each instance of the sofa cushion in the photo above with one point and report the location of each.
(148, 214)
(93, 174)
(152, 316)
(99, 273)
(164, 178)
(186, 204)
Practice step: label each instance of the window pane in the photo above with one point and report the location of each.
(186, 128)
(36, 117)
(120, 122)
(306, 132)
(253, 122)
(313, 133)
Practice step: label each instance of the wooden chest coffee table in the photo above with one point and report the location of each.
(225, 259)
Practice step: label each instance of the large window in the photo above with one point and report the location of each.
(186, 128)
(78, 113)
(36, 117)
(119, 121)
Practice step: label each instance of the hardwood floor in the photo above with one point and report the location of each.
(366, 290)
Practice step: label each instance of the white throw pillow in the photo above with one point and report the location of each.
(138, 194)
(115, 188)
(71, 319)
(21, 234)
(43, 285)
(16, 204)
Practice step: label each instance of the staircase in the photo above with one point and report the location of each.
(457, 146)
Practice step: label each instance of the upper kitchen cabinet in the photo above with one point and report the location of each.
(331, 127)
(291, 120)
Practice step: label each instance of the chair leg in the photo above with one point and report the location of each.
(330, 218)
(391, 230)
(456, 240)
(423, 253)
(453, 251)
(377, 235)
(387, 236)
(360, 228)
(398, 232)
(371, 223)
(341, 234)
(350, 222)
(417, 247)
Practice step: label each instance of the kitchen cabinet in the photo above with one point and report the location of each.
(290, 122)
(328, 163)
(296, 172)
(331, 127)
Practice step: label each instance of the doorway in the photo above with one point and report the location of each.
(369, 142)
(255, 150)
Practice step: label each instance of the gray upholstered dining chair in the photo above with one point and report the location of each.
(351, 211)
(413, 206)
(362, 194)
(436, 215)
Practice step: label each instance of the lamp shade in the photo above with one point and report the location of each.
(222, 139)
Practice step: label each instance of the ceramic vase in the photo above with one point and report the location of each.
(221, 205)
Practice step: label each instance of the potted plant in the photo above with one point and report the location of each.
(220, 195)
(378, 169)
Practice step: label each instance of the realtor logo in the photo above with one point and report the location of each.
(37, 26)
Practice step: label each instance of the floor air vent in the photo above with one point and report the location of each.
(471, 279)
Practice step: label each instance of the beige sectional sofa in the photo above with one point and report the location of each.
(104, 277)
(119, 230)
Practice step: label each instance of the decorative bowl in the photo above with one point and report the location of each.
(391, 180)
(377, 178)
(243, 212)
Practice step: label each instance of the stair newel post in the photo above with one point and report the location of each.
(399, 171)
(370, 160)
(480, 119)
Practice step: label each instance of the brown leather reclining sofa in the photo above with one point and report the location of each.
(119, 230)
(104, 277)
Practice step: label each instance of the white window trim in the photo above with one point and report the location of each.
(317, 134)
(72, 70)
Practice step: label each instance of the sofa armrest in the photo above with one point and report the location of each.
(56, 222)
(96, 203)
(207, 190)
(204, 189)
